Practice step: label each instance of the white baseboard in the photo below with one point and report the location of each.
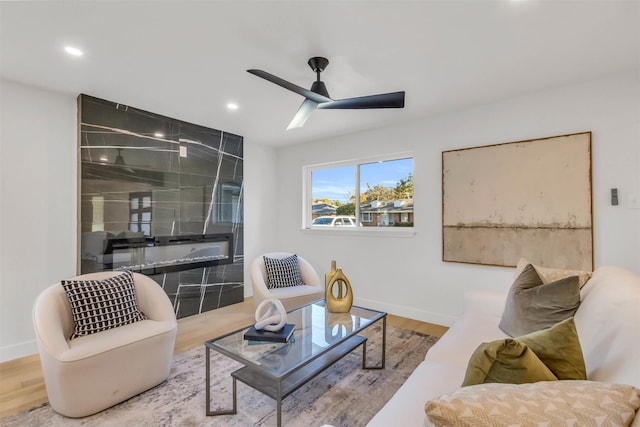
(15, 351)
(410, 312)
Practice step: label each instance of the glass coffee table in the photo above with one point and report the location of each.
(278, 369)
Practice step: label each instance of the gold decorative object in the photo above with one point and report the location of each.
(329, 275)
(342, 300)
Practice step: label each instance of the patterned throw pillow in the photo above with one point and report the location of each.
(98, 305)
(282, 273)
(544, 404)
(549, 275)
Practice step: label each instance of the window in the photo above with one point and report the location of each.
(97, 206)
(229, 203)
(366, 193)
(140, 212)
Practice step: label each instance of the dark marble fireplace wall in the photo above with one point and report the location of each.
(147, 175)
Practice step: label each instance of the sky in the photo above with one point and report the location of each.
(338, 183)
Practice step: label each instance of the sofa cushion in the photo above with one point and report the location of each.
(505, 361)
(549, 275)
(283, 272)
(608, 323)
(99, 305)
(559, 349)
(545, 355)
(533, 305)
(556, 403)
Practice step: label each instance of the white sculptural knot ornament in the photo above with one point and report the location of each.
(273, 319)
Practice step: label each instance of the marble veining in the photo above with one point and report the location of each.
(145, 176)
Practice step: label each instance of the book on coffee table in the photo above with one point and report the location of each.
(282, 335)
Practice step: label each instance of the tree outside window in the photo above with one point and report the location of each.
(376, 193)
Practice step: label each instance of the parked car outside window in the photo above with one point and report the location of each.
(378, 190)
(335, 221)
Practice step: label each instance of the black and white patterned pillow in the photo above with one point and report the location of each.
(282, 273)
(98, 305)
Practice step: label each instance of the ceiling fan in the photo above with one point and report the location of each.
(318, 96)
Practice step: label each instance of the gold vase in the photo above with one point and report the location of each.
(328, 276)
(342, 301)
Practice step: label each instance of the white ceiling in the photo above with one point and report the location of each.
(187, 59)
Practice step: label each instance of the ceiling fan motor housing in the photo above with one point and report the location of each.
(318, 63)
(320, 88)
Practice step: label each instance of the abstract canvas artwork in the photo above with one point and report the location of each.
(530, 199)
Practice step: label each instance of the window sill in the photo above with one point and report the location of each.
(404, 232)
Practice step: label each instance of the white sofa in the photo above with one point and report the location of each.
(91, 373)
(608, 326)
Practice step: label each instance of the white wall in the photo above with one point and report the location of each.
(260, 207)
(38, 198)
(38, 204)
(406, 276)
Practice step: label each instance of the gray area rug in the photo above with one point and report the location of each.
(343, 395)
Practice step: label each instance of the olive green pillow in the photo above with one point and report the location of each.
(533, 305)
(545, 355)
(559, 349)
(505, 361)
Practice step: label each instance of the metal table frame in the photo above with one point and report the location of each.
(279, 387)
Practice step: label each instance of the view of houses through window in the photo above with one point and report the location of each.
(363, 194)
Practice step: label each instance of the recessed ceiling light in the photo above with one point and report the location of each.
(232, 106)
(73, 51)
(159, 135)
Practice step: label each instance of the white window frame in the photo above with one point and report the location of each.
(355, 231)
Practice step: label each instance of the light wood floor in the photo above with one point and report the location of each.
(22, 385)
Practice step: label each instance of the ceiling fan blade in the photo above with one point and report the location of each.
(288, 85)
(383, 100)
(305, 110)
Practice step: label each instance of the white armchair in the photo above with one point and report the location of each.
(91, 373)
(293, 296)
